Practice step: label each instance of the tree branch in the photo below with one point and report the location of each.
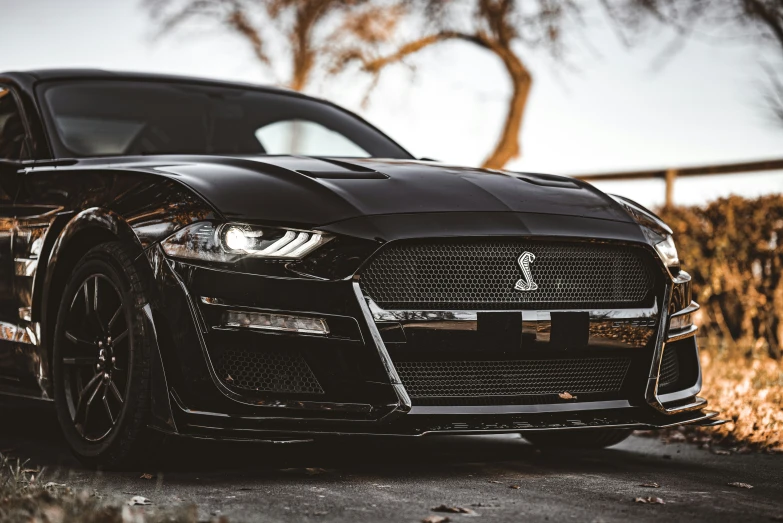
(375, 65)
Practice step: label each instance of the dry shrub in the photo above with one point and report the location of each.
(733, 248)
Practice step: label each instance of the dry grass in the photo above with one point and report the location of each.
(26, 496)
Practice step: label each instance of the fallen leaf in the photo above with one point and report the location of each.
(53, 485)
(138, 500)
(740, 485)
(436, 519)
(566, 396)
(515, 487)
(453, 510)
(145, 476)
(721, 452)
(651, 485)
(650, 499)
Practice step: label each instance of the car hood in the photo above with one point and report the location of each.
(318, 191)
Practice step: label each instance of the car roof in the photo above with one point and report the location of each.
(28, 78)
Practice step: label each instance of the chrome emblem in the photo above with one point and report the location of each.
(526, 283)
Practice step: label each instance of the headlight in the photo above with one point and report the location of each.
(231, 242)
(655, 230)
(668, 252)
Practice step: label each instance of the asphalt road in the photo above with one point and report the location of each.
(400, 480)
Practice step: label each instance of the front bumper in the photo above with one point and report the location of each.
(362, 392)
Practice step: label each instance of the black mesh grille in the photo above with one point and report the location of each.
(266, 371)
(481, 274)
(427, 379)
(670, 369)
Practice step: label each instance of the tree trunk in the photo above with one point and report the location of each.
(507, 147)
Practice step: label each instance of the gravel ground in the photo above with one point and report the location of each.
(500, 478)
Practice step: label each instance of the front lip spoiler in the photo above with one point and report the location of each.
(221, 427)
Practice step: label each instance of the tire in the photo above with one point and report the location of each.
(101, 360)
(580, 439)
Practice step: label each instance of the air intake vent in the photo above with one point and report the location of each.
(670, 370)
(482, 274)
(266, 371)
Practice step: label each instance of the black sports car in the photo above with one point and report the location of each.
(190, 257)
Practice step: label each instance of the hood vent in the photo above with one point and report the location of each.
(347, 171)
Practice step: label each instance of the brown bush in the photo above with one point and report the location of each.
(733, 248)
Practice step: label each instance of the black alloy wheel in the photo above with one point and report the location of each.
(95, 358)
(101, 357)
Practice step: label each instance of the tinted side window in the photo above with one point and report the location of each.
(12, 133)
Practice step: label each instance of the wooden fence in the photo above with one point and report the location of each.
(670, 175)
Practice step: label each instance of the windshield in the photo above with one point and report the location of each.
(111, 118)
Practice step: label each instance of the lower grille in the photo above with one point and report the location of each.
(670, 369)
(482, 379)
(266, 371)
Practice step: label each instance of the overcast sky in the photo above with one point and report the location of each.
(617, 111)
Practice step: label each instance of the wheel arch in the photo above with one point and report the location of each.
(83, 231)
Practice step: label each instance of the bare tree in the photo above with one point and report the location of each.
(499, 27)
(303, 26)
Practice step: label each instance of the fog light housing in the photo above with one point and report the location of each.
(275, 322)
(681, 321)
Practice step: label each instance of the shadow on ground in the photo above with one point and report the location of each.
(401, 479)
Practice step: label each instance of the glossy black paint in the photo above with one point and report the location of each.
(74, 204)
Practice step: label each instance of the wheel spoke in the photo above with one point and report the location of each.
(95, 295)
(86, 288)
(88, 405)
(78, 341)
(108, 409)
(114, 318)
(83, 393)
(81, 361)
(96, 316)
(116, 392)
(116, 341)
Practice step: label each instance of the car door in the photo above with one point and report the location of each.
(13, 146)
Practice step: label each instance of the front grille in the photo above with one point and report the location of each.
(266, 371)
(482, 273)
(508, 378)
(670, 369)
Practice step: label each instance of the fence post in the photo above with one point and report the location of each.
(671, 175)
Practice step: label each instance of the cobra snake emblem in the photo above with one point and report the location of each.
(526, 283)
